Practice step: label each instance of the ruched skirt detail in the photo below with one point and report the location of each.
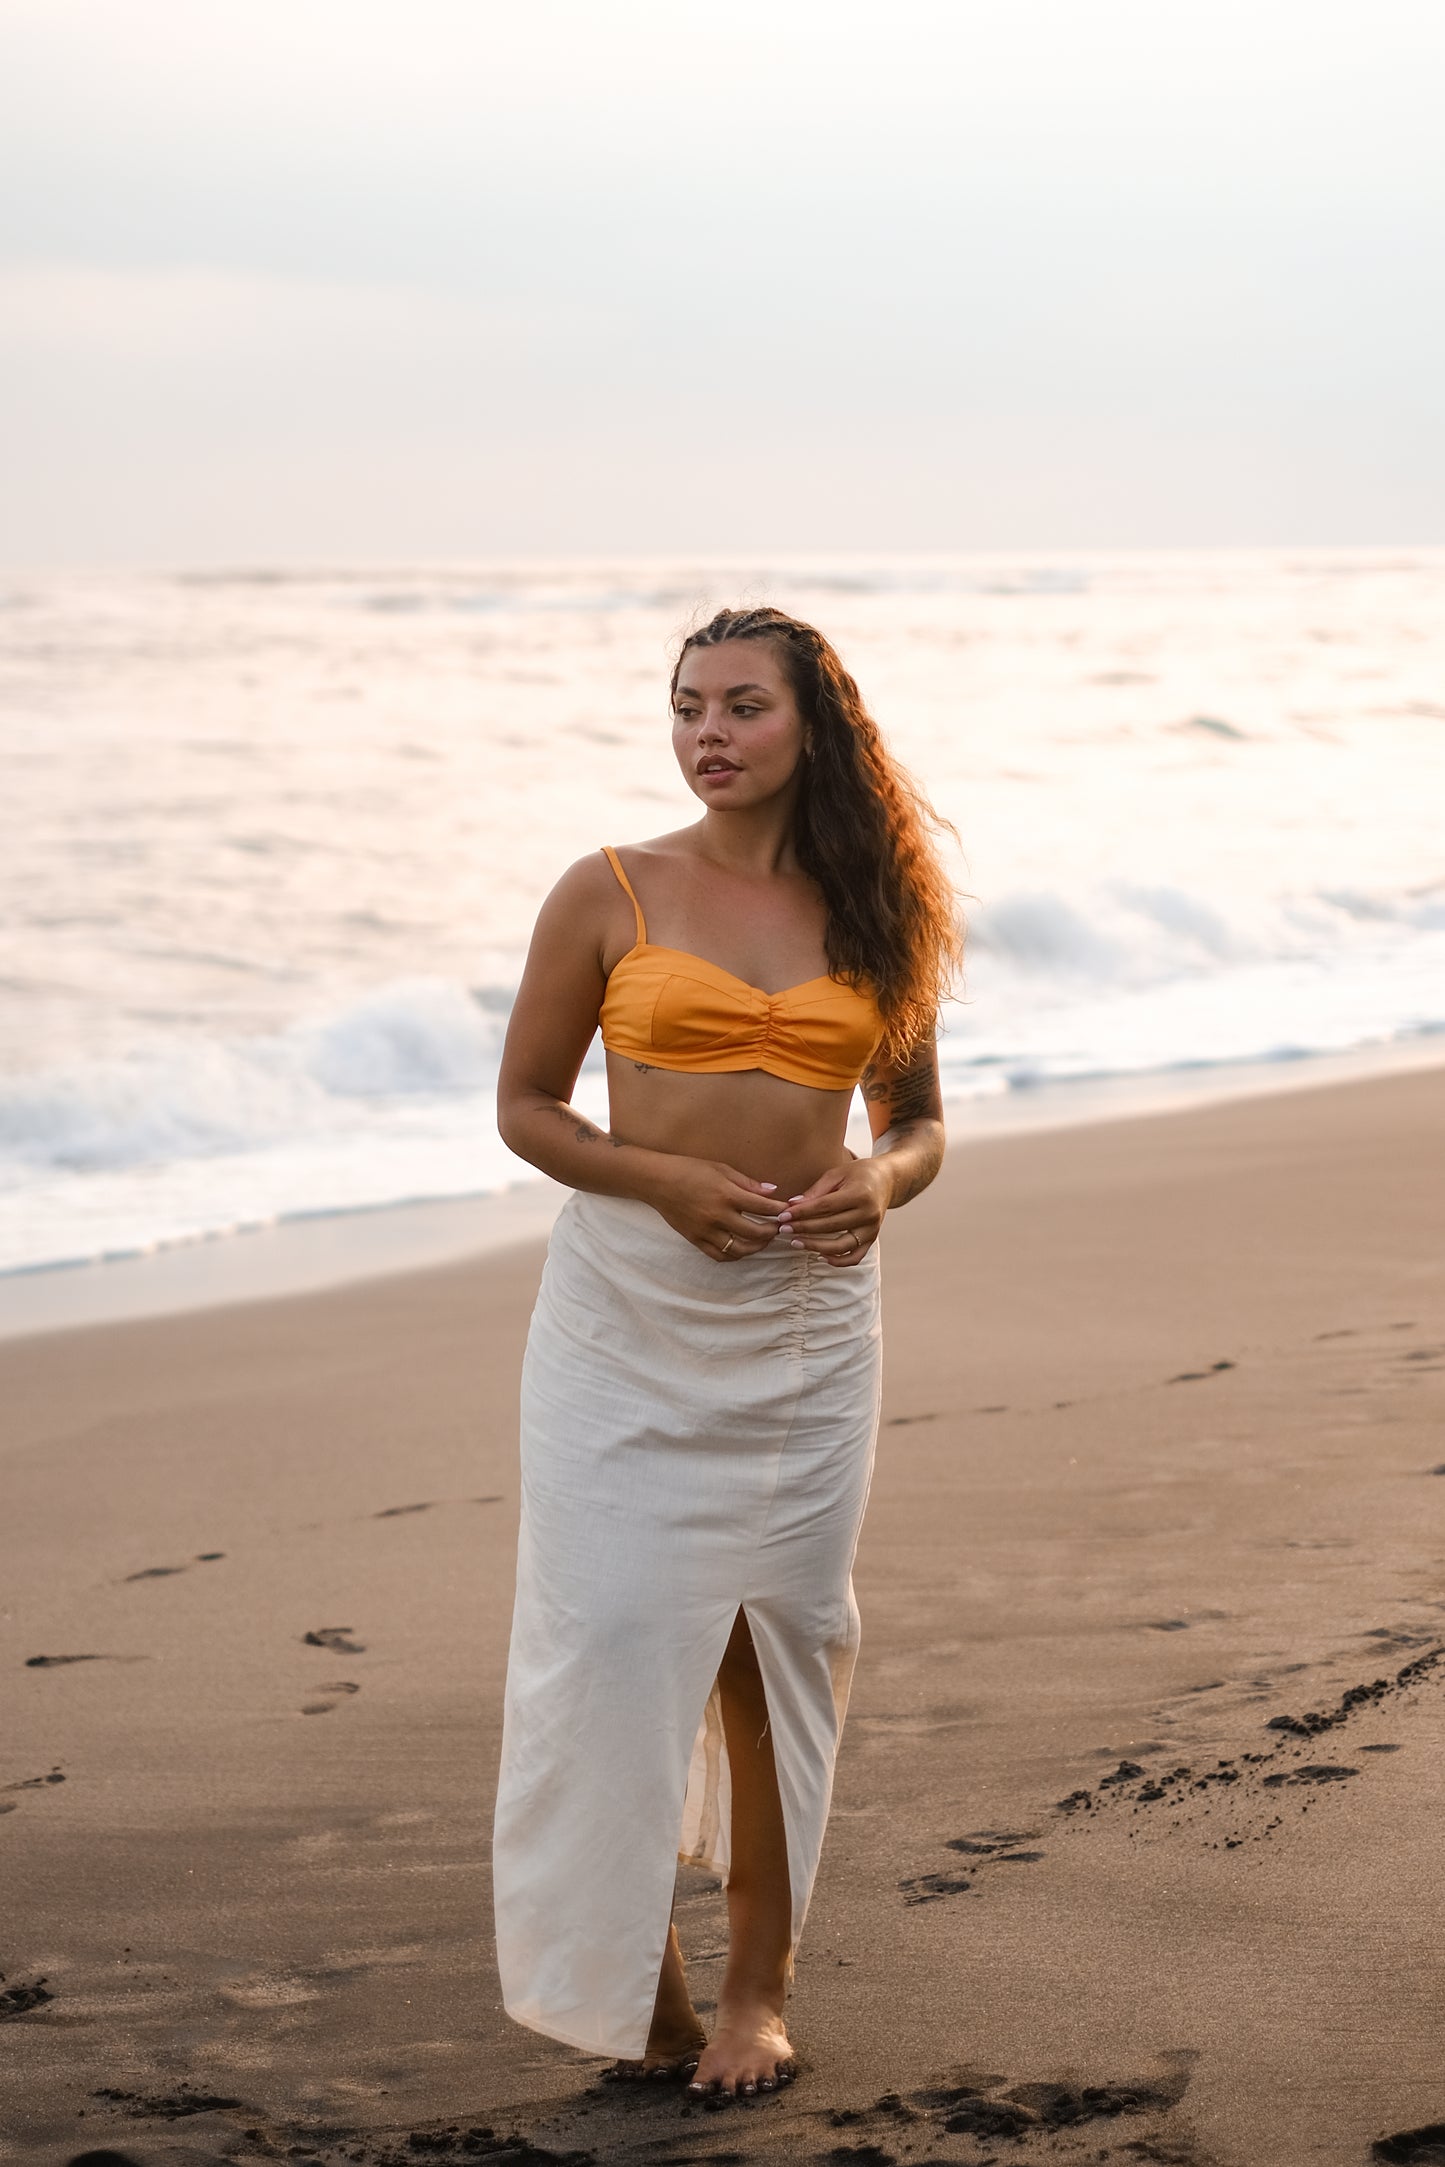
(696, 1439)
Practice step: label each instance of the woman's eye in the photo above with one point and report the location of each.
(744, 711)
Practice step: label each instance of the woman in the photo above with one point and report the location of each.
(700, 1390)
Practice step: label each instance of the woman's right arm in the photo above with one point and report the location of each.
(552, 1024)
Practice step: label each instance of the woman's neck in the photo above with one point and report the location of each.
(754, 841)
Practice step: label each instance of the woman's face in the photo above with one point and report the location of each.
(735, 724)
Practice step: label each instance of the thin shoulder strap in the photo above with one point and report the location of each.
(616, 864)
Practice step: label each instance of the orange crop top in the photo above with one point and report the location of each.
(678, 1011)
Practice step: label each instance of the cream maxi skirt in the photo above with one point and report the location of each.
(696, 1438)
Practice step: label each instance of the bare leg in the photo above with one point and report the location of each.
(749, 2050)
(676, 2025)
(677, 2033)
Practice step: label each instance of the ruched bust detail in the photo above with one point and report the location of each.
(675, 1010)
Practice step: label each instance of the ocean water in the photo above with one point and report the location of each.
(274, 841)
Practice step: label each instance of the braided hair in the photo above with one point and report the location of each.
(861, 831)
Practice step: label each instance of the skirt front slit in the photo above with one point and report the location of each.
(696, 1439)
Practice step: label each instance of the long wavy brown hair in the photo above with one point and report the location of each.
(865, 833)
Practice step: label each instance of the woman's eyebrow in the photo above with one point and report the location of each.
(690, 692)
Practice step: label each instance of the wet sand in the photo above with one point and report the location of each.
(1136, 1843)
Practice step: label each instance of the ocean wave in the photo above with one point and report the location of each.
(1137, 934)
(1133, 973)
(180, 1098)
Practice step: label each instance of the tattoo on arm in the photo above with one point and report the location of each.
(915, 1097)
(587, 1132)
(911, 1095)
(915, 1116)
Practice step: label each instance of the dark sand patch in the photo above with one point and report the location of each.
(174, 2106)
(1412, 2147)
(19, 2000)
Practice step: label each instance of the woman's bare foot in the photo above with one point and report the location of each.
(749, 2052)
(676, 2039)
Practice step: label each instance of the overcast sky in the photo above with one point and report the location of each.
(321, 279)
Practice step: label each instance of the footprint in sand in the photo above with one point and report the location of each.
(57, 1662)
(400, 1512)
(324, 1707)
(974, 2104)
(904, 1422)
(1316, 1772)
(32, 1783)
(18, 2001)
(1412, 2147)
(334, 1638)
(1194, 1376)
(928, 1888)
(168, 1572)
(996, 1843)
(175, 2106)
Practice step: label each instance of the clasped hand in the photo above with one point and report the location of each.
(729, 1216)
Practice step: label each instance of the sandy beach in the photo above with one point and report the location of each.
(1135, 1851)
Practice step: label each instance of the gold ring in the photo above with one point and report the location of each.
(852, 1236)
(728, 1243)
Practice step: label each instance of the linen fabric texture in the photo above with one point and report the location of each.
(696, 1438)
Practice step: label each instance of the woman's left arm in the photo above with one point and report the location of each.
(905, 1113)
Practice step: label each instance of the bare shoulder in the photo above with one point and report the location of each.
(586, 880)
(583, 909)
(680, 843)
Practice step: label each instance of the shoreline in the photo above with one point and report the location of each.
(328, 1250)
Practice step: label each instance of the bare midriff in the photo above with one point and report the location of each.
(758, 1124)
